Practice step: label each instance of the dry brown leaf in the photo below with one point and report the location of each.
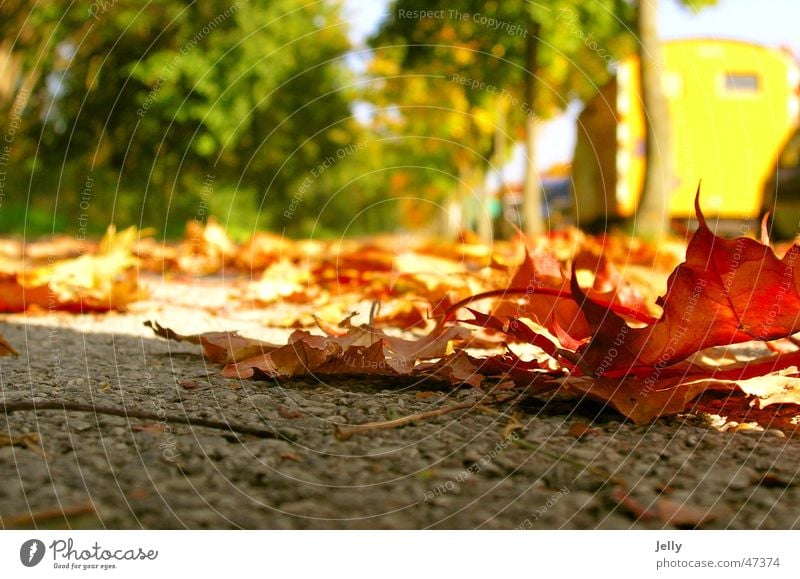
(663, 509)
(362, 350)
(580, 429)
(781, 387)
(7, 349)
(219, 347)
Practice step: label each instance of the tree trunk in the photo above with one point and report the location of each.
(480, 193)
(652, 218)
(491, 199)
(468, 214)
(533, 222)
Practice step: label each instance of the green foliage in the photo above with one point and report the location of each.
(148, 101)
(156, 113)
(449, 75)
(486, 41)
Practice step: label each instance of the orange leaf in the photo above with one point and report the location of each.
(219, 347)
(726, 292)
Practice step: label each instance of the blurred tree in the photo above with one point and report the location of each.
(536, 55)
(438, 136)
(157, 105)
(652, 218)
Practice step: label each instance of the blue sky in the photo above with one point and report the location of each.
(770, 22)
(773, 23)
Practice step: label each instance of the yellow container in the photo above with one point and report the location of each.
(732, 104)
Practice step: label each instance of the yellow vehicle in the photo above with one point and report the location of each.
(733, 106)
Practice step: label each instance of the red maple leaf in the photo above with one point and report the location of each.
(727, 291)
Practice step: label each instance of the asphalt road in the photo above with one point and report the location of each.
(90, 469)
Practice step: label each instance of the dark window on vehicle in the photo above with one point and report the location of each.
(741, 81)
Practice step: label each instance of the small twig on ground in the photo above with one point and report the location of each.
(47, 515)
(29, 440)
(346, 431)
(512, 426)
(9, 407)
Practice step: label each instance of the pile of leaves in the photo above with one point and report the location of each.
(69, 275)
(413, 278)
(597, 317)
(573, 326)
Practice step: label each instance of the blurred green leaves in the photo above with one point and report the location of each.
(150, 98)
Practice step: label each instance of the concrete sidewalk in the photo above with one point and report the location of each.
(455, 471)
